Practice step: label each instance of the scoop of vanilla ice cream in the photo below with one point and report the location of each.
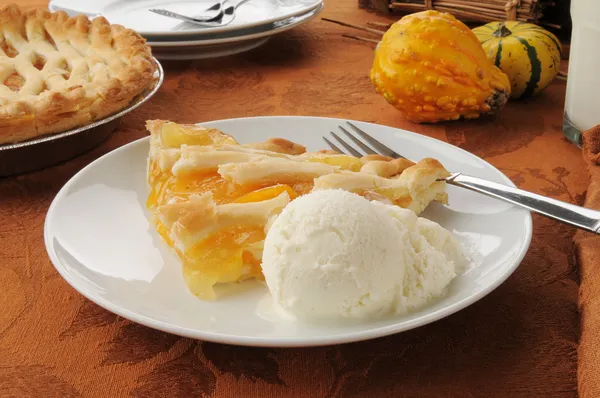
(331, 254)
(433, 257)
(445, 241)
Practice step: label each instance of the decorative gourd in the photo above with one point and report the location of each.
(527, 53)
(431, 67)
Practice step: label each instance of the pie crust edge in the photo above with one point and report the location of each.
(56, 111)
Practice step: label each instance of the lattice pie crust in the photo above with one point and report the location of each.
(58, 72)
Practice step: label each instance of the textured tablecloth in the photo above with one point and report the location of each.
(520, 340)
(588, 253)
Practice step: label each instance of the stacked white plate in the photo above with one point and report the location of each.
(254, 23)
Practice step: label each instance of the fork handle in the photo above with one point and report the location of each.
(567, 213)
(171, 14)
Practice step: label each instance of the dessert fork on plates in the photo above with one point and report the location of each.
(576, 216)
(223, 18)
(218, 7)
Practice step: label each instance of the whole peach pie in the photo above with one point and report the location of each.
(58, 72)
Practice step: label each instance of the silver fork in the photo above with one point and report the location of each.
(170, 14)
(225, 17)
(567, 213)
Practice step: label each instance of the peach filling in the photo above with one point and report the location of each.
(221, 258)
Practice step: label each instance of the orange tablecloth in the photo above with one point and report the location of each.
(521, 340)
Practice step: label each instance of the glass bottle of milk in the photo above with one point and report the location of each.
(582, 107)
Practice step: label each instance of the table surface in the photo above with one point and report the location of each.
(520, 340)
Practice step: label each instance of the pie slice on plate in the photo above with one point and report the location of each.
(58, 72)
(213, 199)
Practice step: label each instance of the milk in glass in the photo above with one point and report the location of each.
(582, 108)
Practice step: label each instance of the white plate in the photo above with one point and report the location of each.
(241, 35)
(99, 238)
(134, 14)
(211, 51)
(212, 48)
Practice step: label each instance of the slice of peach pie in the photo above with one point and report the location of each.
(213, 199)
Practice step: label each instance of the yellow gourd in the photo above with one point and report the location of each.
(527, 53)
(432, 68)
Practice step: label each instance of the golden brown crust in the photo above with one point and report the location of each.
(273, 171)
(280, 145)
(154, 126)
(279, 160)
(327, 152)
(385, 168)
(405, 183)
(374, 157)
(77, 71)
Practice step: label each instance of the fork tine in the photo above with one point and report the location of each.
(163, 12)
(171, 14)
(358, 142)
(348, 147)
(384, 150)
(333, 146)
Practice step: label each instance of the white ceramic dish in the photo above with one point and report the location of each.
(238, 36)
(76, 7)
(134, 14)
(98, 236)
(205, 52)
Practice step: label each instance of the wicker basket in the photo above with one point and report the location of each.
(480, 11)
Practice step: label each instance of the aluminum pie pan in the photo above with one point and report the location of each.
(48, 150)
